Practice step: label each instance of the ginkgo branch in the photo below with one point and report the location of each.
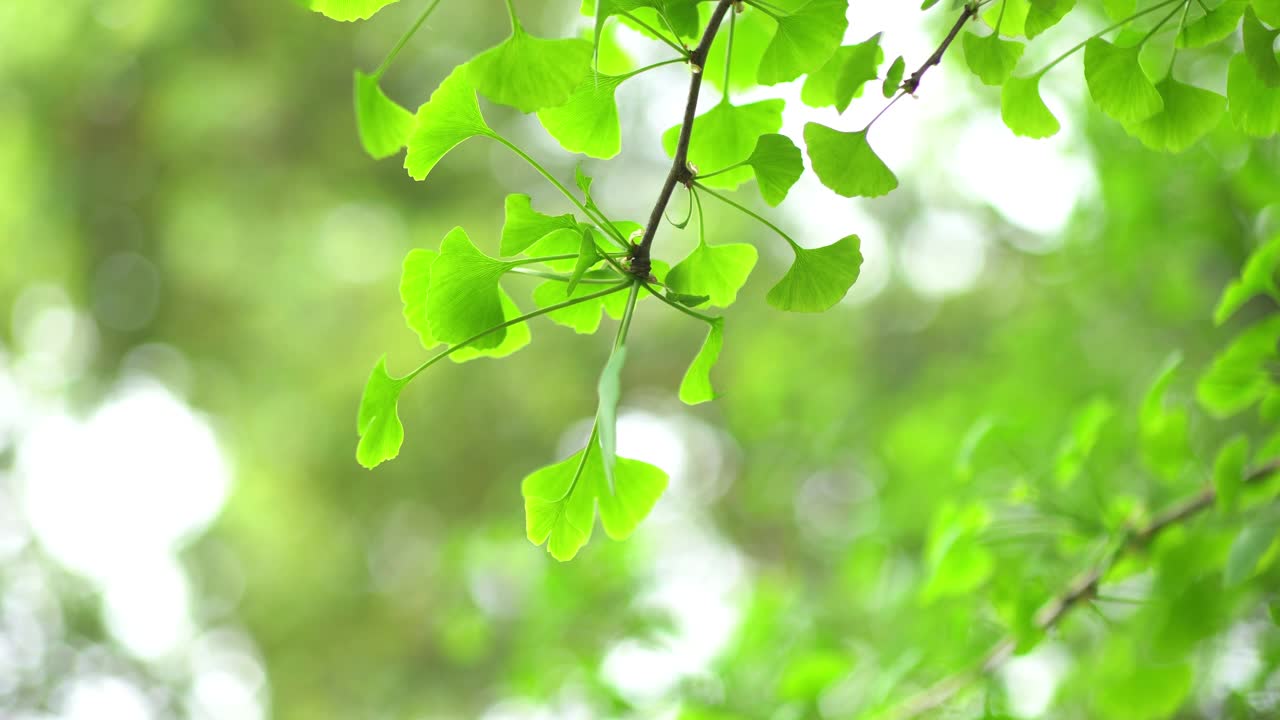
(910, 85)
(1082, 590)
(640, 264)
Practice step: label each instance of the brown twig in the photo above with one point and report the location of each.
(910, 85)
(680, 172)
(1083, 589)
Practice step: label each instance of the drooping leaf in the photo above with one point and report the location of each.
(1255, 107)
(530, 73)
(584, 317)
(1214, 26)
(777, 164)
(805, 39)
(1229, 470)
(819, 277)
(1188, 114)
(588, 255)
(609, 391)
(845, 162)
(1023, 111)
(383, 125)
(1238, 376)
(1258, 276)
(588, 122)
(348, 10)
(696, 386)
(1259, 48)
(1249, 547)
(1044, 14)
(1164, 430)
(991, 58)
(415, 280)
(1118, 83)
(517, 336)
(636, 488)
(525, 226)
(717, 271)
(841, 79)
(726, 135)
(464, 299)
(377, 422)
(451, 116)
(893, 77)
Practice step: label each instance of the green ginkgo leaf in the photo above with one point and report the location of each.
(717, 271)
(1238, 377)
(1118, 9)
(845, 162)
(348, 10)
(804, 40)
(524, 226)
(530, 73)
(515, 336)
(584, 317)
(725, 135)
(991, 58)
(777, 164)
(1118, 83)
(842, 78)
(696, 386)
(893, 77)
(383, 125)
(415, 281)
(1268, 11)
(1259, 48)
(1259, 274)
(1044, 14)
(588, 255)
(451, 116)
(1188, 114)
(609, 392)
(1023, 111)
(819, 277)
(681, 15)
(1255, 107)
(464, 299)
(588, 122)
(1229, 471)
(377, 422)
(560, 500)
(1213, 26)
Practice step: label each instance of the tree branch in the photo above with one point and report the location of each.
(640, 265)
(912, 83)
(1083, 589)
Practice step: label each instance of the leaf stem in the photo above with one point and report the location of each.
(560, 277)
(728, 58)
(647, 68)
(684, 52)
(702, 225)
(515, 21)
(513, 321)
(1182, 23)
(750, 213)
(1114, 26)
(624, 326)
(404, 40)
(763, 7)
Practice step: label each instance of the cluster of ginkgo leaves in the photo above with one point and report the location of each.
(592, 264)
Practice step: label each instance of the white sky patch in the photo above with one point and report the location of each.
(1031, 680)
(98, 697)
(943, 253)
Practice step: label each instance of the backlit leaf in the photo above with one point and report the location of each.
(348, 10)
(377, 422)
(991, 58)
(451, 116)
(516, 336)
(1228, 471)
(819, 277)
(464, 299)
(1118, 83)
(415, 280)
(1238, 376)
(893, 77)
(530, 73)
(588, 122)
(1189, 113)
(1268, 11)
(1023, 111)
(777, 164)
(717, 271)
(726, 135)
(1255, 107)
(845, 162)
(696, 386)
(841, 79)
(1259, 274)
(1259, 48)
(525, 226)
(383, 125)
(1249, 547)
(805, 39)
(609, 391)
(1214, 26)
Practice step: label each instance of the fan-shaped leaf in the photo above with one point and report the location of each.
(383, 125)
(805, 39)
(819, 277)
(464, 300)
(841, 79)
(525, 226)
(588, 122)
(725, 135)
(1118, 83)
(696, 387)
(777, 164)
(1259, 48)
(449, 117)
(893, 77)
(1023, 111)
(845, 162)
(1189, 112)
(1214, 26)
(377, 422)
(530, 73)
(991, 58)
(415, 281)
(717, 271)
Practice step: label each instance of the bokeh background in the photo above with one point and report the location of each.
(198, 267)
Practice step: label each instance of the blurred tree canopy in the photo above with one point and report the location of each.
(1025, 468)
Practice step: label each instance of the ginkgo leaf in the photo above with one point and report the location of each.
(991, 58)
(415, 280)
(893, 77)
(841, 79)
(777, 164)
(1117, 9)
(583, 317)
(1009, 15)
(1213, 26)
(1189, 112)
(725, 135)
(383, 125)
(588, 255)
(819, 277)
(588, 122)
(348, 10)
(609, 392)
(560, 500)
(1259, 274)
(1229, 471)
(464, 299)
(1259, 49)
(752, 33)
(1268, 11)
(377, 422)
(1023, 111)
(530, 73)
(525, 226)
(516, 336)
(1118, 83)
(1238, 376)
(696, 386)
(681, 14)
(845, 162)
(804, 40)
(1044, 14)
(717, 271)
(451, 116)
(1255, 108)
